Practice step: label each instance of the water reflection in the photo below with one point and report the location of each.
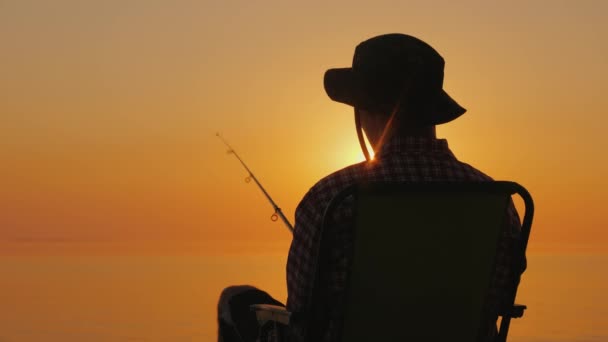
(174, 298)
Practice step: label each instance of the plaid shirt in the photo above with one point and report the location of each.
(401, 160)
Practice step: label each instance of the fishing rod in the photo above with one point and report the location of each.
(277, 211)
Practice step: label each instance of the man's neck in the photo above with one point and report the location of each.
(421, 133)
(426, 132)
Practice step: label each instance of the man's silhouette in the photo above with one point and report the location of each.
(396, 88)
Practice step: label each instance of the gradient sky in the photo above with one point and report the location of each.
(108, 114)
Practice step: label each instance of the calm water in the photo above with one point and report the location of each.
(174, 298)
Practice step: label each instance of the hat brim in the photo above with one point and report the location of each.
(346, 86)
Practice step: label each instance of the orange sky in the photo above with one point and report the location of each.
(108, 112)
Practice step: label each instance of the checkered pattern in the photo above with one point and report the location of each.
(401, 160)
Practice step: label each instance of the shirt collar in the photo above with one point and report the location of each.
(405, 145)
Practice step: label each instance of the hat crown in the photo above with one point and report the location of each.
(399, 58)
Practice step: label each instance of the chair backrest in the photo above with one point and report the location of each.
(424, 255)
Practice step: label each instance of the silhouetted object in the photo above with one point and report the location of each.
(415, 275)
(394, 73)
(396, 88)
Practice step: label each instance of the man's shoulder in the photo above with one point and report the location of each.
(327, 187)
(472, 173)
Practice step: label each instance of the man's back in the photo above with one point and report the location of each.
(401, 160)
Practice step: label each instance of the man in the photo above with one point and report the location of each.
(395, 86)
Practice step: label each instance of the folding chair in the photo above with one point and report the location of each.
(424, 256)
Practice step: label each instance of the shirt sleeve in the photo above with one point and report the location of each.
(506, 272)
(301, 259)
(515, 225)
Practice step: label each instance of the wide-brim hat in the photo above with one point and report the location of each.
(395, 70)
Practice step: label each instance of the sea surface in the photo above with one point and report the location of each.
(174, 298)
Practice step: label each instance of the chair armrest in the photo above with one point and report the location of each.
(516, 311)
(267, 312)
